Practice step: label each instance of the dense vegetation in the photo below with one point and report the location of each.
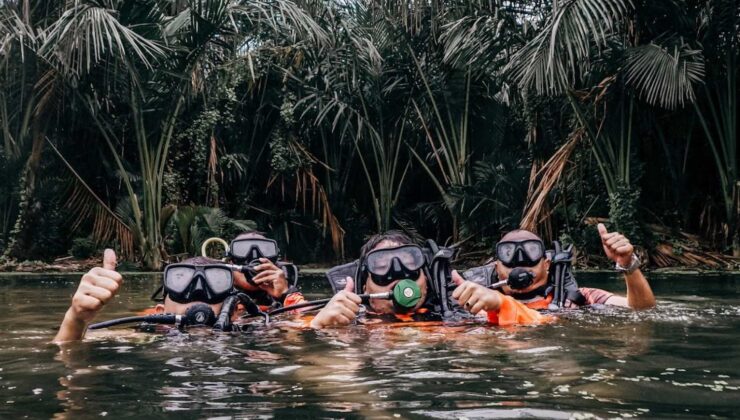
(153, 124)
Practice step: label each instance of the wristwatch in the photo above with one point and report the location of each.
(634, 265)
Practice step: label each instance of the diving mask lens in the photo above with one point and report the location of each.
(390, 264)
(185, 283)
(525, 253)
(252, 249)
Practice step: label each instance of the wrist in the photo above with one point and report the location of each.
(73, 318)
(316, 324)
(630, 267)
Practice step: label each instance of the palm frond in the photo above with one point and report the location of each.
(554, 59)
(545, 179)
(87, 33)
(86, 205)
(665, 75)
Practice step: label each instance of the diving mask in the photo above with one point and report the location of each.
(526, 253)
(252, 249)
(185, 283)
(390, 264)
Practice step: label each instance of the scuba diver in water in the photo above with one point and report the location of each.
(265, 279)
(550, 283)
(390, 260)
(198, 291)
(194, 291)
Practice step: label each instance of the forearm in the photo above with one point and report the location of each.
(639, 293)
(72, 328)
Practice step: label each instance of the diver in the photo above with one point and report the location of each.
(390, 259)
(265, 279)
(551, 284)
(196, 292)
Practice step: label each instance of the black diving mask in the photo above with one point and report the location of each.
(185, 283)
(248, 250)
(526, 253)
(390, 264)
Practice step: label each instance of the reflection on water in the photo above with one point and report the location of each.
(680, 360)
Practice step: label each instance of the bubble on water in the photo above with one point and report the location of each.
(37, 391)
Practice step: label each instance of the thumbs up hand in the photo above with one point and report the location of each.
(97, 287)
(616, 246)
(340, 310)
(474, 297)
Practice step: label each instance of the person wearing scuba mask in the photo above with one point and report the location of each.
(524, 251)
(197, 285)
(386, 259)
(265, 281)
(389, 259)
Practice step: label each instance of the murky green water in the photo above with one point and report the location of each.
(681, 360)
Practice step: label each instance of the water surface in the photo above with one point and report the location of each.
(681, 360)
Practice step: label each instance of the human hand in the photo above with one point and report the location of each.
(341, 309)
(97, 287)
(616, 246)
(474, 297)
(270, 278)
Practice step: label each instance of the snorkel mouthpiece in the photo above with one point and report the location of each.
(406, 294)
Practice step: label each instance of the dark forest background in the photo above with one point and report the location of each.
(150, 125)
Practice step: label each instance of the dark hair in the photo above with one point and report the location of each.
(201, 261)
(391, 235)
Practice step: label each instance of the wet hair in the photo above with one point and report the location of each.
(201, 261)
(391, 235)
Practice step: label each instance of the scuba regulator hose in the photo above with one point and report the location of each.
(405, 295)
(199, 314)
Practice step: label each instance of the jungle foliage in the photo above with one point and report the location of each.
(149, 125)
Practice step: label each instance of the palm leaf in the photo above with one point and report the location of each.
(665, 75)
(86, 205)
(555, 58)
(89, 32)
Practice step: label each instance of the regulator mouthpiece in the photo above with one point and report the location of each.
(519, 278)
(199, 314)
(406, 294)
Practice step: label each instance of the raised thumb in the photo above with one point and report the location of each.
(602, 229)
(457, 278)
(350, 286)
(109, 259)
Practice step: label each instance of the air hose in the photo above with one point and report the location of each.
(405, 294)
